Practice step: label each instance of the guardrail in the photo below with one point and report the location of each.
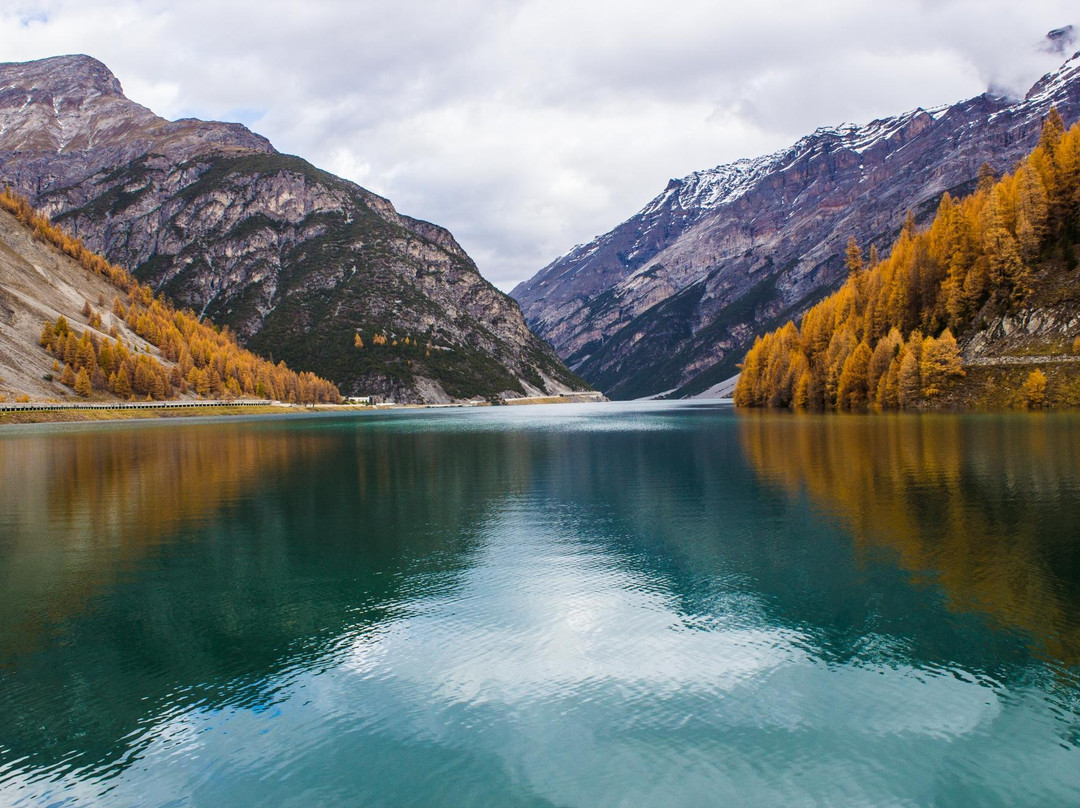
(46, 406)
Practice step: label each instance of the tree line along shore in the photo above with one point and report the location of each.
(977, 311)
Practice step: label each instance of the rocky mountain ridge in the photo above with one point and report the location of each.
(297, 262)
(668, 301)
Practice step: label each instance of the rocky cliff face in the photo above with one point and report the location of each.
(296, 261)
(670, 300)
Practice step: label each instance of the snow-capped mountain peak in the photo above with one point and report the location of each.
(673, 293)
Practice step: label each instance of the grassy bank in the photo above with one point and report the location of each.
(75, 416)
(1000, 387)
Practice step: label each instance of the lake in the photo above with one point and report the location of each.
(570, 605)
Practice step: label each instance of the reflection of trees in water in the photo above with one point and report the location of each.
(151, 568)
(85, 506)
(988, 506)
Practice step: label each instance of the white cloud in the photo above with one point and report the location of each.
(526, 127)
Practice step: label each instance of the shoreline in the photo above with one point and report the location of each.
(42, 412)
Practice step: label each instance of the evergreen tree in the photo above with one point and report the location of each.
(884, 352)
(105, 357)
(801, 397)
(82, 384)
(1034, 390)
(122, 385)
(1053, 129)
(908, 382)
(71, 348)
(873, 260)
(1032, 213)
(888, 392)
(85, 354)
(940, 363)
(853, 257)
(853, 379)
(986, 178)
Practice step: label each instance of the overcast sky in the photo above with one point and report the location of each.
(527, 127)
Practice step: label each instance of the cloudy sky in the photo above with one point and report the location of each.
(527, 127)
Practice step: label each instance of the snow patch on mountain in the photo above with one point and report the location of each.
(709, 189)
(1053, 85)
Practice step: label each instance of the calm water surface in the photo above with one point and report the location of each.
(575, 605)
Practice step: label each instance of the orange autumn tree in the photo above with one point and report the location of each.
(204, 358)
(886, 337)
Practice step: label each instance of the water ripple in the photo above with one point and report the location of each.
(649, 605)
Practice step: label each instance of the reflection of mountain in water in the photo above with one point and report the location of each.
(87, 505)
(472, 606)
(987, 507)
(148, 568)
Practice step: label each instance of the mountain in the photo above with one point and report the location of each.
(669, 301)
(37, 285)
(996, 269)
(300, 264)
(55, 340)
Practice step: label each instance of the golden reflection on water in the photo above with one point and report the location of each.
(80, 508)
(986, 507)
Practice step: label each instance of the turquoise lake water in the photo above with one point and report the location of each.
(568, 605)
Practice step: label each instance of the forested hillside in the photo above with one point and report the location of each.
(996, 270)
(294, 260)
(669, 301)
(132, 344)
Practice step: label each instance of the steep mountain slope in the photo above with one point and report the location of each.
(671, 298)
(297, 262)
(39, 284)
(997, 269)
(54, 341)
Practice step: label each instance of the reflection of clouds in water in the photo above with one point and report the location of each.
(578, 681)
(541, 618)
(540, 418)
